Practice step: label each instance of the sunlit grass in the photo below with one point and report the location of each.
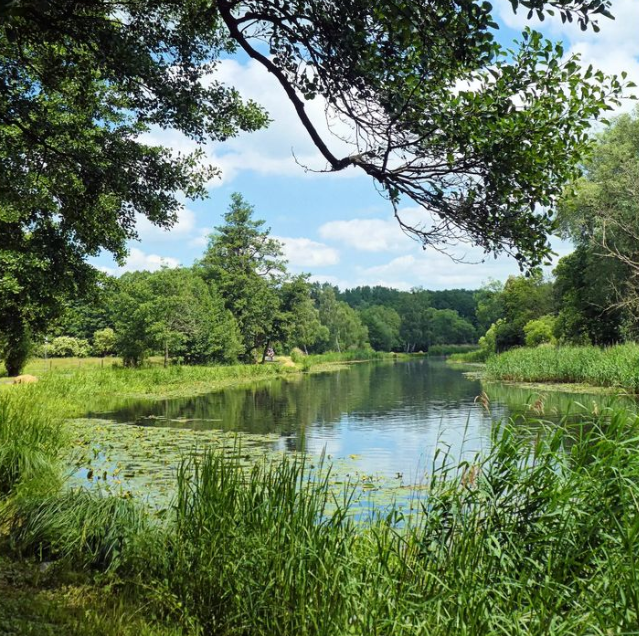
(616, 366)
(537, 538)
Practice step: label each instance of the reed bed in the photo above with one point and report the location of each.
(616, 366)
(534, 537)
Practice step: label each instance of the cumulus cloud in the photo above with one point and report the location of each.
(141, 261)
(376, 235)
(303, 252)
(366, 235)
(183, 228)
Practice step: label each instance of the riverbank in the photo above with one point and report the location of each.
(533, 537)
(615, 367)
(529, 539)
(73, 388)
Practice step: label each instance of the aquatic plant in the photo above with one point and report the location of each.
(616, 366)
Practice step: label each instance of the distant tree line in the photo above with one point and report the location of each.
(239, 299)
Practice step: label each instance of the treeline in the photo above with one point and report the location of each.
(594, 296)
(239, 300)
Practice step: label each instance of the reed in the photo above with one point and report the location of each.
(616, 366)
(32, 440)
(531, 538)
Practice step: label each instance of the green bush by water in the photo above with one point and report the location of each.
(616, 366)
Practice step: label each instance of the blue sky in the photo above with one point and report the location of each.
(336, 226)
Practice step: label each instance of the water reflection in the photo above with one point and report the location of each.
(387, 418)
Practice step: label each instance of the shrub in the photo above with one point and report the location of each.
(104, 342)
(540, 331)
(67, 347)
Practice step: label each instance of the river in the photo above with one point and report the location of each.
(388, 419)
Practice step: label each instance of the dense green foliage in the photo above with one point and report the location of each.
(83, 83)
(80, 85)
(598, 284)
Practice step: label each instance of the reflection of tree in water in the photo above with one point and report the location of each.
(288, 406)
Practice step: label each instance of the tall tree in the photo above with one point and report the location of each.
(344, 325)
(383, 324)
(601, 212)
(245, 265)
(80, 84)
(174, 313)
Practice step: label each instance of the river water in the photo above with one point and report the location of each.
(388, 418)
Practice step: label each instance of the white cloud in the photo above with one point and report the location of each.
(302, 252)
(367, 235)
(183, 227)
(202, 238)
(377, 235)
(141, 261)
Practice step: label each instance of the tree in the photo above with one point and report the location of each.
(80, 83)
(413, 330)
(344, 325)
(490, 304)
(601, 215)
(383, 324)
(482, 138)
(174, 313)
(525, 298)
(585, 292)
(446, 326)
(245, 265)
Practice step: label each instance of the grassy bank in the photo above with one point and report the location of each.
(616, 366)
(71, 388)
(451, 350)
(530, 539)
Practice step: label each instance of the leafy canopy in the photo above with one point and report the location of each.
(483, 138)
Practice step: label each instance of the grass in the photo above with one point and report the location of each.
(31, 442)
(535, 538)
(616, 366)
(538, 538)
(449, 349)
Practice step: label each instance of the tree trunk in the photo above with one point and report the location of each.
(266, 346)
(166, 353)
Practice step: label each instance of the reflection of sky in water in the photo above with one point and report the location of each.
(387, 419)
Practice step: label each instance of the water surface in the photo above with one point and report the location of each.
(388, 419)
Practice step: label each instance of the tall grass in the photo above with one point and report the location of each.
(452, 349)
(616, 366)
(31, 442)
(538, 538)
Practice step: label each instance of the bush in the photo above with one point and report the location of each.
(297, 355)
(540, 331)
(67, 347)
(104, 342)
